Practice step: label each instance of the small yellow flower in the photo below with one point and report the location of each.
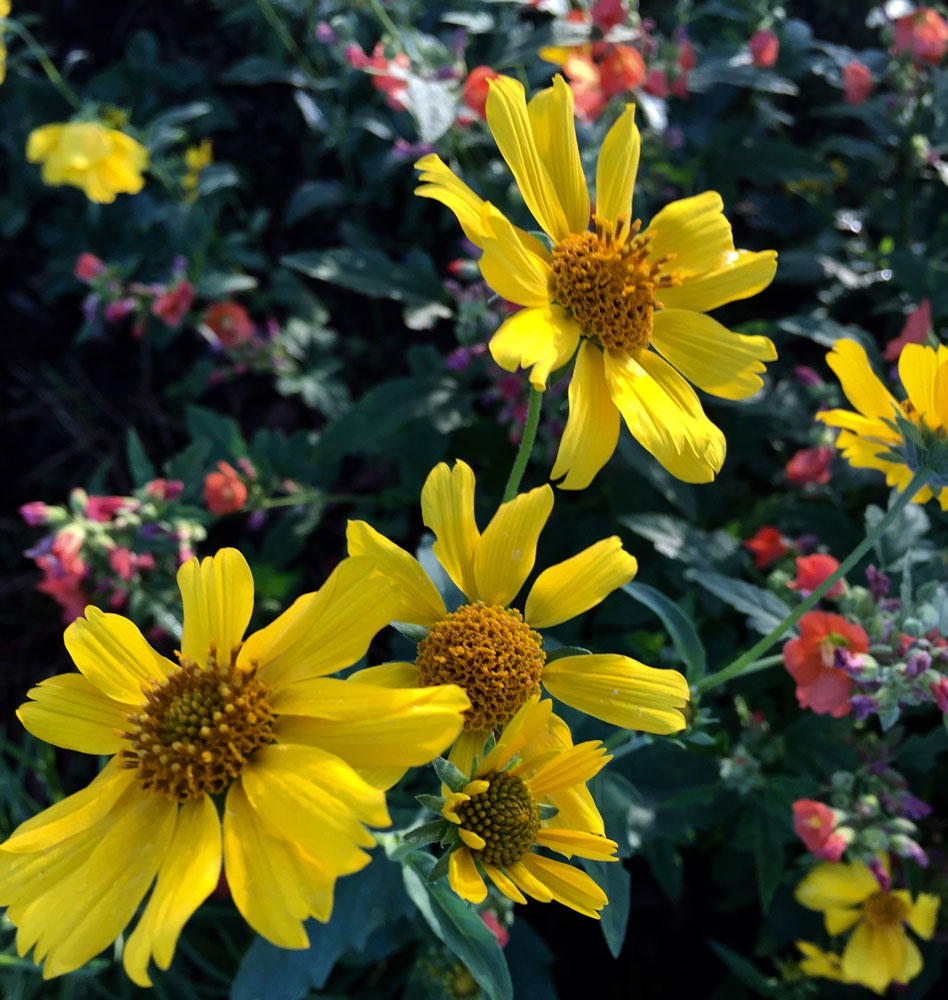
(632, 302)
(4, 12)
(492, 650)
(819, 963)
(499, 821)
(895, 438)
(255, 727)
(100, 161)
(196, 159)
(878, 952)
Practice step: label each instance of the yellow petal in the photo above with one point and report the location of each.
(217, 595)
(515, 272)
(524, 879)
(473, 840)
(941, 388)
(544, 337)
(505, 885)
(554, 133)
(615, 173)
(575, 585)
(620, 690)
(391, 675)
(592, 427)
(568, 885)
(42, 141)
(923, 914)
(447, 508)
(112, 653)
(911, 964)
(716, 360)
(918, 369)
(573, 766)
(421, 602)
(575, 842)
(187, 877)
(508, 549)
(839, 919)
(694, 233)
(325, 631)
(70, 711)
(509, 124)
(664, 415)
(528, 720)
(860, 384)
(874, 956)
(468, 746)
(835, 885)
(744, 275)
(464, 877)
(438, 181)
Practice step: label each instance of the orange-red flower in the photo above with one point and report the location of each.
(224, 491)
(608, 14)
(811, 661)
(813, 823)
(764, 48)
(173, 304)
(917, 324)
(230, 323)
(857, 82)
(621, 69)
(766, 546)
(923, 34)
(810, 465)
(475, 90)
(812, 571)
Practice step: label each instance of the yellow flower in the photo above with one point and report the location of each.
(257, 719)
(895, 438)
(101, 161)
(4, 12)
(878, 952)
(499, 818)
(196, 159)
(613, 291)
(492, 650)
(816, 962)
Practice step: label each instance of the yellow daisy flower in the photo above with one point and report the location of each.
(492, 650)
(498, 815)
(4, 12)
(102, 162)
(257, 719)
(894, 437)
(632, 301)
(878, 952)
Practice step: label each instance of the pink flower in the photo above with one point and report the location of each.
(764, 49)
(88, 266)
(35, 512)
(102, 508)
(915, 331)
(687, 60)
(857, 82)
(173, 304)
(939, 692)
(165, 489)
(923, 34)
(810, 465)
(679, 86)
(812, 571)
(607, 14)
(656, 83)
(813, 823)
(116, 311)
(500, 932)
(120, 559)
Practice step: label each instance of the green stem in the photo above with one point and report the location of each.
(55, 77)
(526, 445)
(286, 39)
(748, 662)
(299, 499)
(389, 25)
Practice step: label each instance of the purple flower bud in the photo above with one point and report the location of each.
(90, 308)
(850, 662)
(35, 512)
(862, 706)
(908, 849)
(917, 664)
(325, 34)
(879, 583)
(806, 376)
(881, 875)
(806, 543)
(891, 604)
(913, 808)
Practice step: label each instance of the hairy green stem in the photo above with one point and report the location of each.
(526, 445)
(55, 77)
(286, 39)
(389, 25)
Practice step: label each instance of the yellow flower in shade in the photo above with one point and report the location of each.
(632, 301)
(102, 161)
(895, 438)
(819, 963)
(879, 951)
(492, 650)
(253, 729)
(498, 816)
(4, 12)
(196, 160)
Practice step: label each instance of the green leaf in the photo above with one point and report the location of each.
(561, 651)
(223, 432)
(745, 971)
(449, 774)
(440, 868)
(311, 195)
(427, 833)
(614, 880)
(665, 861)
(138, 462)
(764, 608)
(769, 858)
(680, 627)
(548, 811)
(433, 802)
(414, 633)
(459, 926)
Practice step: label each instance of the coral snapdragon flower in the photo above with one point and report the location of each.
(632, 301)
(814, 823)
(923, 34)
(767, 545)
(811, 661)
(224, 491)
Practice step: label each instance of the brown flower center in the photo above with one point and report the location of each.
(884, 910)
(608, 287)
(198, 727)
(489, 651)
(505, 815)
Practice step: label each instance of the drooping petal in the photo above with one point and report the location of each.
(447, 508)
(554, 132)
(569, 767)
(862, 386)
(567, 885)
(438, 181)
(694, 233)
(112, 653)
(509, 124)
(615, 173)
(744, 275)
(592, 427)
(918, 370)
(464, 877)
(516, 272)
(421, 602)
(576, 842)
(834, 885)
(190, 872)
(217, 595)
(874, 956)
(716, 360)
(620, 690)
(545, 337)
(524, 879)
(505, 885)
(575, 585)
(69, 711)
(508, 548)
(528, 720)
(327, 630)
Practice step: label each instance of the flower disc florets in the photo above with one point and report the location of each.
(198, 727)
(884, 910)
(505, 816)
(491, 653)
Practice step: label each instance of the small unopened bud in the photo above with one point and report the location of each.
(909, 849)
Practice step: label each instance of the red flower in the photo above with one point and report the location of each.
(656, 83)
(621, 70)
(813, 823)
(35, 512)
(586, 84)
(923, 34)
(687, 60)
(812, 571)
(499, 931)
(173, 304)
(915, 331)
(165, 489)
(811, 662)
(939, 692)
(606, 14)
(120, 559)
(224, 491)
(679, 86)
(393, 85)
(476, 87)
(764, 49)
(102, 508)
(857, 82)
(767, 545)
(87, 267)
(810, 465)
(230, 323)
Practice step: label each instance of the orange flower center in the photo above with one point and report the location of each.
(608, 286)
(489, 651)
(198, 727)
(884, 910)
(505, 815)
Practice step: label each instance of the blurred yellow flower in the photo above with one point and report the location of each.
(492, 650)
(255, 720)
(878, 952)
(196, 160)
(632, 302)
(100, 161)
(4, 12)
(498, 816)
(895, 438)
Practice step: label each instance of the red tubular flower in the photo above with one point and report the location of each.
(923, 34)
(811, 662)
(476, 86)
(917, 324)
(230, 323)
(764, 49)
(810, 465)
(102, 509)
(857, 82)
(224, 491)
(173, 304)
(766, 546)
(812, 571)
